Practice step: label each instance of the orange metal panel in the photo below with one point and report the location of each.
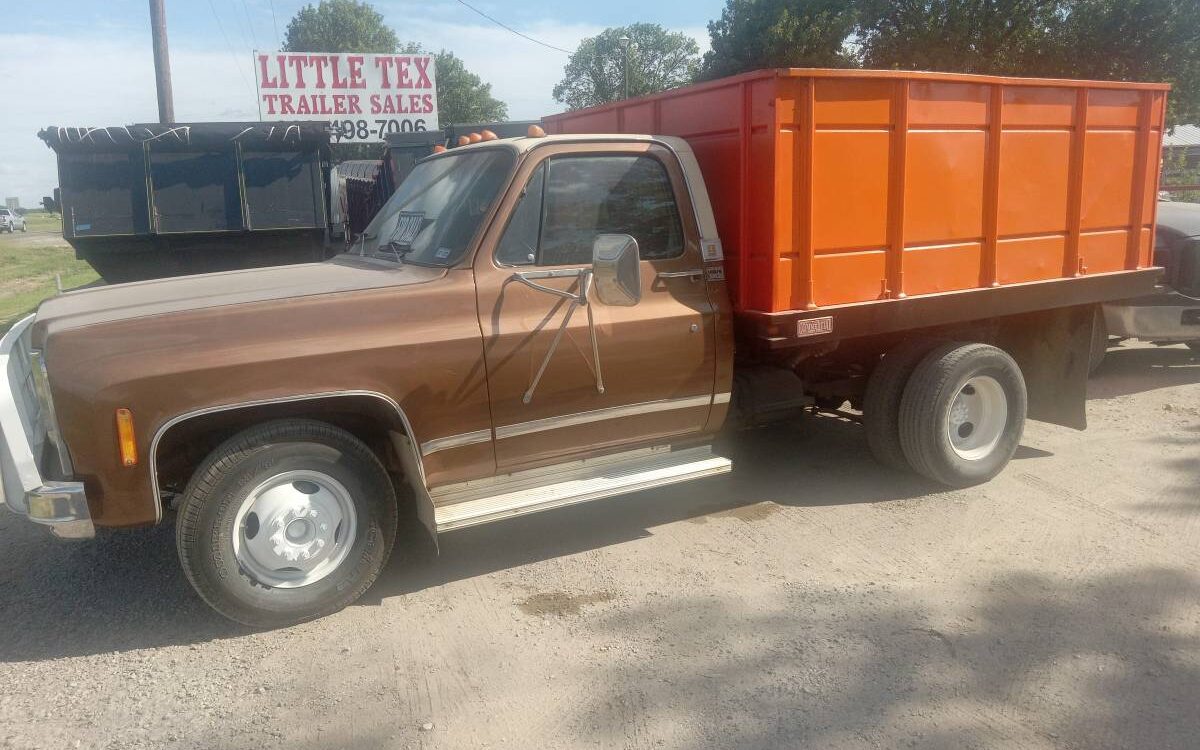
(1030, 259)
(942, 165)
(934, 103)
(1102, 252)
(865, 102)
(942, 268)
(850, 190)
(849, 277)
(1033, 182)
(841, 186)
(1113, 109)
(1108, 168)
(1038, 107)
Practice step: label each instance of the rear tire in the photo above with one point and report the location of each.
(963, 413)
(286, 522)
(881, 402)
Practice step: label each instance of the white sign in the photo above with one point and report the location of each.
(365, 95)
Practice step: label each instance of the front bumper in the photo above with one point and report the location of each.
(25, 428)
(1165, 317)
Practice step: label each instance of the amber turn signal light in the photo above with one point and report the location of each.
(125, 438)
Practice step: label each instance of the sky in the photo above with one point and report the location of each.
(89, 63)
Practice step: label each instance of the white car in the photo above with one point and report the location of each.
(10, 221)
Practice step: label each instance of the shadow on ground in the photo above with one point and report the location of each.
(124, 590)
(1136, 369)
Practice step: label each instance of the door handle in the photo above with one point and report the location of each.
(695, 273)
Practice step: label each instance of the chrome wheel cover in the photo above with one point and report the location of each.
(294, 529)
(977, 417)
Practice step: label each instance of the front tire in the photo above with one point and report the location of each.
(963, 413)
(286, 522)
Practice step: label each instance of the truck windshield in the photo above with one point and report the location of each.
(435, 212)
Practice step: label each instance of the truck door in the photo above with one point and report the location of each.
(650, 379)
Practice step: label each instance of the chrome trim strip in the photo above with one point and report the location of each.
(455, 441)
(599, 415)
(13, 438)
(162, 430)
(721, 398)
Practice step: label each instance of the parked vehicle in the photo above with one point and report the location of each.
(540, 321)
(1171, 313)
(11, 221)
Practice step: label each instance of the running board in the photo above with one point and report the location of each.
(471, 503)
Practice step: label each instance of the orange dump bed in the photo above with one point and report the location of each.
(835, 187)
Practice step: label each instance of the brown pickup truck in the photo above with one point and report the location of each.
(540, 321)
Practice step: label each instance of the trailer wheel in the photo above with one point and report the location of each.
(286, 522)
(881, 401)
(963, 413)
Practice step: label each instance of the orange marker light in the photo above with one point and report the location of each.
(475, 137)
(535, 131)
(487, 135)
(125, 438)
(438, 149)
(463, 140)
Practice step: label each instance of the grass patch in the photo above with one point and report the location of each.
(40, 221)
(28, 266)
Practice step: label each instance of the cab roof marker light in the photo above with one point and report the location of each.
(535, 131)
(487, 135)
(475, 137)
(463, 140)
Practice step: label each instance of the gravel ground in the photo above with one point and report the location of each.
(810, 599)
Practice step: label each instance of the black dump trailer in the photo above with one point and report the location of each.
(150, 200)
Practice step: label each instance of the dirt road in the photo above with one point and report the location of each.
(811, 599)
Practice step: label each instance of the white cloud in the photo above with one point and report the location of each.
(109, 80)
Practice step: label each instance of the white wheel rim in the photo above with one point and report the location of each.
(977, 417)
(294, 529)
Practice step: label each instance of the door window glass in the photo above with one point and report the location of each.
(519, 244)
(583, 196)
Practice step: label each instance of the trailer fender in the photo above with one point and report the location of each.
(1053, 348)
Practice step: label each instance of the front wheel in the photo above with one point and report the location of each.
(963, 413)
(286, 522)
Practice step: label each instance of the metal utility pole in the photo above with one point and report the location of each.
(162, 62)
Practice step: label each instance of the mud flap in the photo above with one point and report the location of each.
(406, 451)
(1052, 348)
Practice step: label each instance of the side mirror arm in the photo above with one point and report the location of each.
(577, 300)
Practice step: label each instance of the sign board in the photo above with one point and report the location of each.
(364, 95)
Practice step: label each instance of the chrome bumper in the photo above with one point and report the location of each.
(1169, 317)
(24, 430)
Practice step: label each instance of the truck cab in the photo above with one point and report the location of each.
(1170, 314)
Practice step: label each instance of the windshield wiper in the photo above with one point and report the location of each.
(398, 250)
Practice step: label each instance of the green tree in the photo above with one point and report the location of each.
(658, 60)
(339, 26)
(1130, 40)
(965, 36)
(755, 34)
(351, 26)
(463, 97)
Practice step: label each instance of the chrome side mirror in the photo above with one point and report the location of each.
(617, 270)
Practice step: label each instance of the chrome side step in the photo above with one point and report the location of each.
(471, 503)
